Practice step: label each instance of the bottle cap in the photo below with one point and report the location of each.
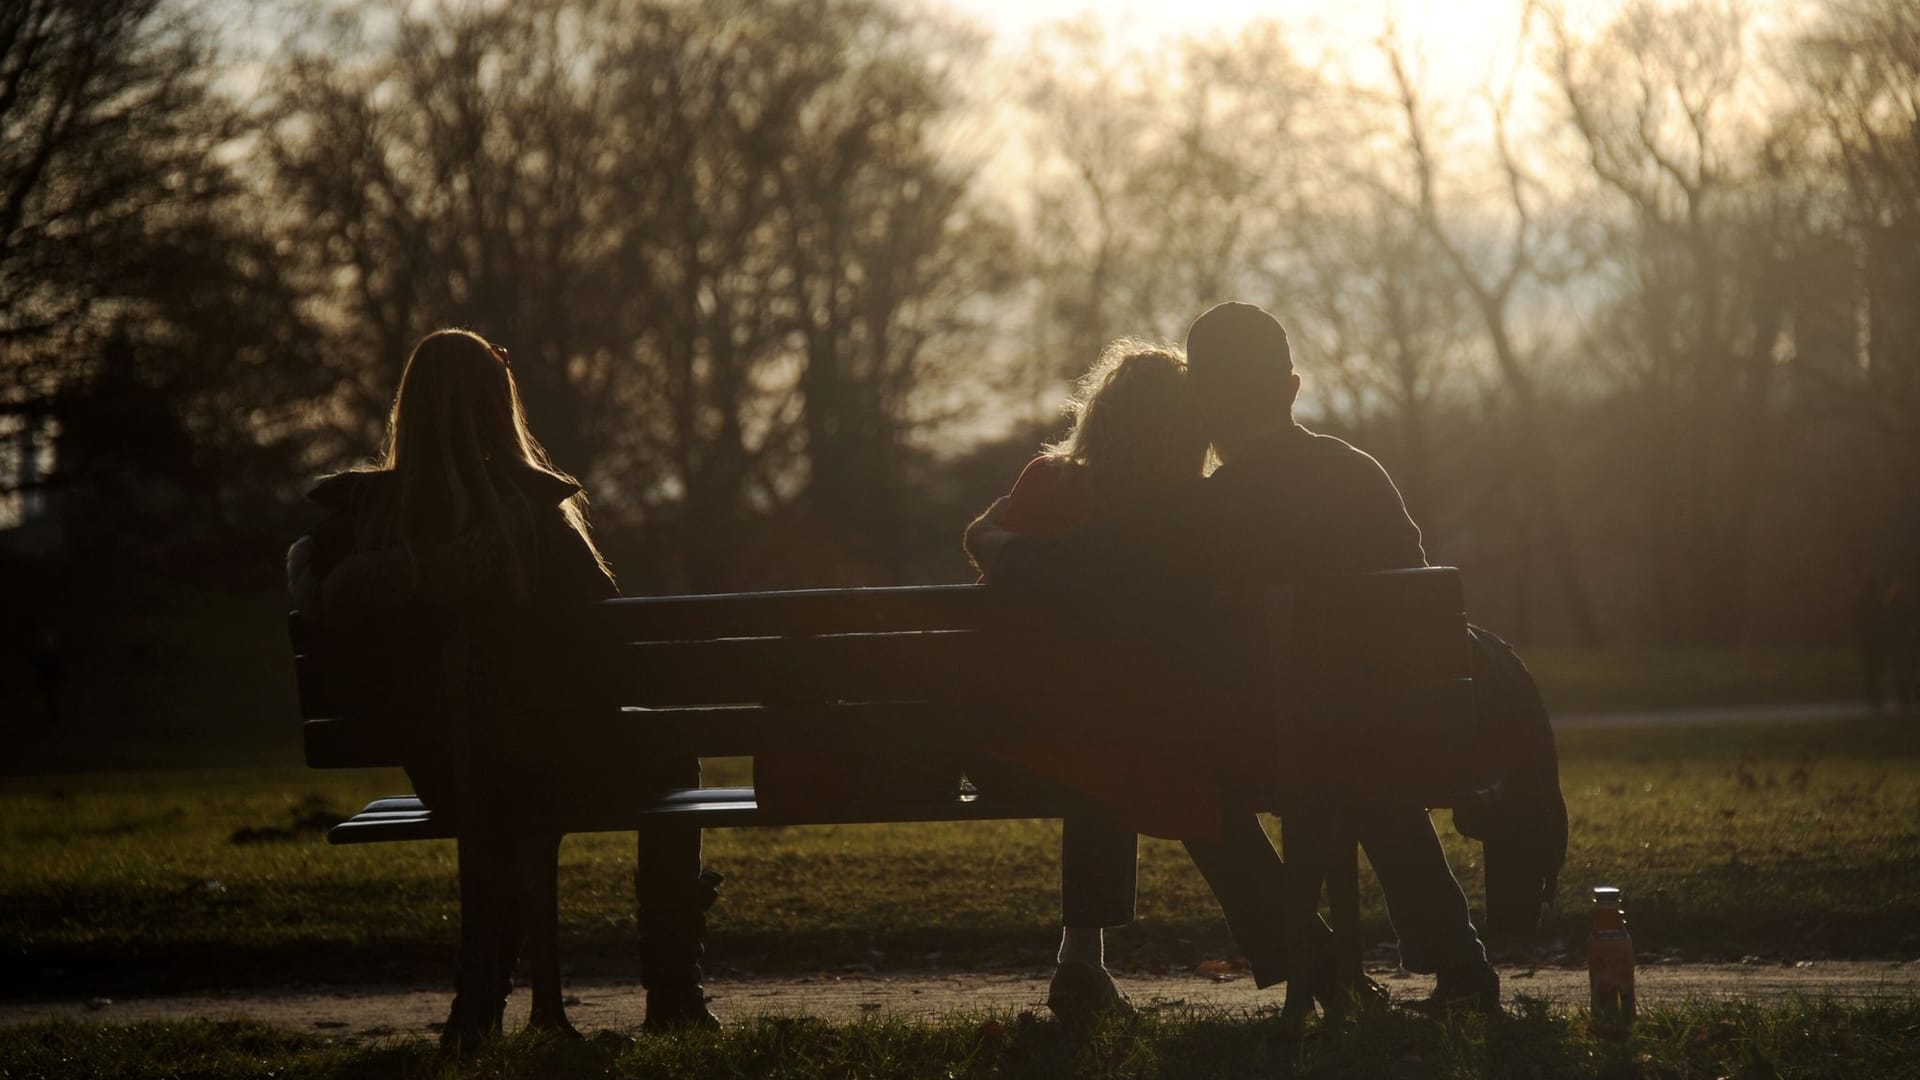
(1606, 896)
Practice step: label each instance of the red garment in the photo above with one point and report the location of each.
(1157, 793)
(1047, 500)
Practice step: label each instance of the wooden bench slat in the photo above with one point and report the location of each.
(1363, 714)
(977, 666)
(797, 612)
(901, 609)
(706, 808)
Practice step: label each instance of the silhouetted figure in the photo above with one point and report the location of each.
(1136, 442)
(1886, 629)
(1874, 636)
(423, 562)
(1902, 616)
(1284, 502)
(49, 670)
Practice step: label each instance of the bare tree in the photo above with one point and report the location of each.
(1493, 275)
(1858, 68)
(1654, 101)
(1092, 116)
(719, 235)
(145, 330)
(1164, 184)
(1392, 330)
(803, 275)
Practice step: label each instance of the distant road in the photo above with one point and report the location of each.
(1738, 714)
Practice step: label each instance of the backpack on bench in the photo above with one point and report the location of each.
(1516, 809)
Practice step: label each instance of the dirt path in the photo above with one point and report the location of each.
(362, 1012)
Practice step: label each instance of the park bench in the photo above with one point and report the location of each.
(1355, 687)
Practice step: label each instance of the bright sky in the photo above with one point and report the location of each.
(1457, 42)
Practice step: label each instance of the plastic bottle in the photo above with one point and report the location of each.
(1610, 966)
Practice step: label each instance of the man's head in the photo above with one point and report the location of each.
(1242, 368)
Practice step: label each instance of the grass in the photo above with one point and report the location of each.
(1808, 1038)
(1628, 679)
(158, 674)
(1779, 841)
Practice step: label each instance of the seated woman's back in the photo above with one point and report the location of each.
(462, 520)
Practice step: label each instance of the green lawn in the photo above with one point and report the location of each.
(1630, 679)
(1787, 841)
(1807, 1038)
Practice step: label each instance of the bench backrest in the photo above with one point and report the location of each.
(1340, 677)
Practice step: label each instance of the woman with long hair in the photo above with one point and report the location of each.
(461, 520)
(1135, 442)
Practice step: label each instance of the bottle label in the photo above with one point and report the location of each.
(1610, 976)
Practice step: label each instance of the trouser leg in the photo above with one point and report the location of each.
(1249, 880)
(538, 876)
(1099, 870)
(510, 927)
(1424, 901)
(489, 927)
(1099, 864)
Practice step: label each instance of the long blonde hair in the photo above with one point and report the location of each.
(456, 428)
(1135, 425)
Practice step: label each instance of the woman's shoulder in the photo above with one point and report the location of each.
(1047, 470)
(344, 490)
(1046, 499)
(1044, 477)
(543, 488)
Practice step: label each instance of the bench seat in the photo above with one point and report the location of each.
(405, 817)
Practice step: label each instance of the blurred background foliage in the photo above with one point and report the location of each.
(794, 285)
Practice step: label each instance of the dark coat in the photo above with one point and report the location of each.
(361, 579)
(418, 627)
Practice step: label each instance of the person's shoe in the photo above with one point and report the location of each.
(679, 1010)
(1475, 989)
(461, 1040)
(1080, 992)
(466, 1027)
(1367, 994)
(554, 1026)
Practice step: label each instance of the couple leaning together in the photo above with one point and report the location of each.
(1126, 498)
(464, 515)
